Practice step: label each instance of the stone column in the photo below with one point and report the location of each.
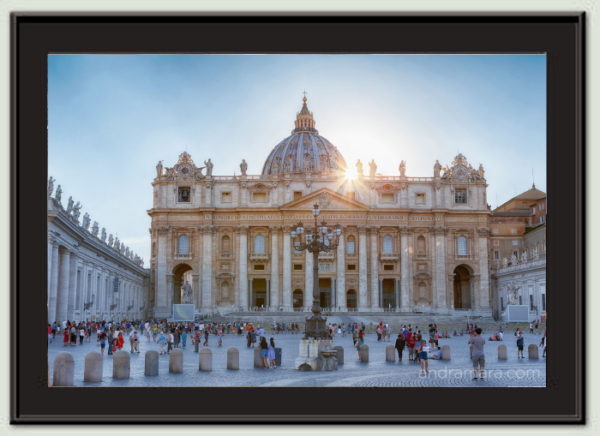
(287, 270)
(484, 279)
(207, 268)
(52, 281)
(439, 268)
(405, 271)
(274, 287)
(72, 286)
(162, 289)
(196, 290)
(62, 299)
(243, 254)
(308, 280)
(340, 275)
(362, 269)
(375, 306)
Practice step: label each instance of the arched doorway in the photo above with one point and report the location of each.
(351, 299)
(462, 287)
(181, 273)
(298, 298)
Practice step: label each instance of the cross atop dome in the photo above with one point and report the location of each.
(304, 119)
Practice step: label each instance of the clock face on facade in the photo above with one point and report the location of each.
(184, 170)
(460, 172)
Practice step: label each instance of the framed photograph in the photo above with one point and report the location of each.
(297, 218)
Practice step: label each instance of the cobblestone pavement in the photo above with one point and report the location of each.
(454, 373)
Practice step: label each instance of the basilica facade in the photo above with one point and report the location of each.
(408, 244)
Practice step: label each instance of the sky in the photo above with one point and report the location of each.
(111, 118)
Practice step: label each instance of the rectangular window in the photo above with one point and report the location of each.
(297, 195)
(462, 248)
(513, 231)
(496, 255)
(530, 302)
(183, 194)
(515, 243)
(533, 211)
(325, 267)
(297, 267)
(225, 197)
(520, 300)
(351, 248)
(542, 219)
(351, 267)
(495, 231)
(543, 301)
(460, 196)
(420, 198)
(387, 198)
(259, 197)
(259, 267)
(388, 267)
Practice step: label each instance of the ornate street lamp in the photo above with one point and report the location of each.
(321, 239)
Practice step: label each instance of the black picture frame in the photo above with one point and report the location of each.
(560, 35)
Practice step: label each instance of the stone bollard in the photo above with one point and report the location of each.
(258, 361)
(121, 364)
(532, 351)
(502, 354)
(64, 368)
(390, 353)
(205, 360)
(92, 371)
(176, 361)
(233, 358)
(151, 363)
(339, 355)
(363, 353)
(277, 356)
(445, 352)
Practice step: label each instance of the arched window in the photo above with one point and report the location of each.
(462, 248)
(421, 250)
(259, 244)
(351, 246)
(183, 245)
(225, 244)
(388, 244)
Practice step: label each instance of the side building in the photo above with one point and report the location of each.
(90, 277)
(518, 254)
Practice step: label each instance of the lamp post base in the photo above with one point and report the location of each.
(316, 328)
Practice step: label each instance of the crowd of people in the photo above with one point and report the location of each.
(420, 346)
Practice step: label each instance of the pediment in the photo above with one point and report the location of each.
(326, 199)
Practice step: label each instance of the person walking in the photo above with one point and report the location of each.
(101, 339)
(162, 342)
(477, 355)
(271, 353)
(422, 350)
(400, 343)
(136, 342)
(183, 337)
(264, 352)
(520, 345)
(170, 341)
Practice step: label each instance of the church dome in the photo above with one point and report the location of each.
(304, 151)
